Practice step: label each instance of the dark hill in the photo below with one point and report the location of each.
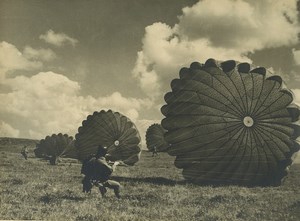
(16, 144)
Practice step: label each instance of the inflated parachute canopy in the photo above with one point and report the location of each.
(113, 130)
(56, 145)
(155, 138)
(230, 124)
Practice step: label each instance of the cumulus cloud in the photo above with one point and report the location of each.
(12, 59)
(222, 29)
(127, 106)
(8, 131)
(42, 103)
(58, 39)
(296, 54)
(49, 103)
(143, 125)
(296, 96)
(242, 25)
(148, 77)
(39, 54)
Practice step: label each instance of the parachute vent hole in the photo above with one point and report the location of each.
(248, 121)
(116, 143)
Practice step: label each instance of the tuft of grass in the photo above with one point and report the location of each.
(153, 189)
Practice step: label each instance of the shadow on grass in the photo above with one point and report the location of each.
(169, 182)
(152, 180)
(49, 198)
(13, 181)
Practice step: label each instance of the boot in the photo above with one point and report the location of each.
(117, 192)
(87, 185)
(102, 190)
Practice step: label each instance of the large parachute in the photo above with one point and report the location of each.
(155, 138)
(230, 123)
(56, 145)
(113, 130)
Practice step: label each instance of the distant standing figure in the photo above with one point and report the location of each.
(52, 160)
(154, 152)
(97, 172)
(25, 152)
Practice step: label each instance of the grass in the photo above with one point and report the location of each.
(153, 189)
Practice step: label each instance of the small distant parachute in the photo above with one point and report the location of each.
(230, 123)
(56, 145)
(113, 130)
(155, 138)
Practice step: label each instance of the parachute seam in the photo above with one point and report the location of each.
(248, 171)
(244, 86)
(258, 113)
(238, 73)
(258, 108)
(270, 148)
(235, 127)
(214, 149)
(198, 92)
(241, 157)
(262, 117)
(266, 125)
(274, 156)
(268, 134)
(227, 151)
(180, 102)
(240, 111)
(250, 108)
(260, 93)
(237, 106)
(261, 156)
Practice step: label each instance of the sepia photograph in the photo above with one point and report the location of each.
(137, 110)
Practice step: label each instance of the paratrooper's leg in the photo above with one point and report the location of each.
(86, 185)
(102, 189)
(113, 185)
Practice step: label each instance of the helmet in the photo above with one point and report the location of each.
(101, 151)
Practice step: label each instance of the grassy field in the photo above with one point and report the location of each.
(153, 189)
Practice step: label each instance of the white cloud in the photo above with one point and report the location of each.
(296, 54)
(12, 59)
(45, 103)
(127, 106)
(142, 126)
(296, 93)
(39, 54)
(241, 25)
(221, 29)
(49, 103)
(7, 131)
(58, 39)
(148, 78)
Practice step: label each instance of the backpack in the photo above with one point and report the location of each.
(96, 169)
(87, 167)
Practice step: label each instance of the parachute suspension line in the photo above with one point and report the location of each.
(65, 150)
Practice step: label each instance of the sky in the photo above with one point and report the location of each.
(62, 60)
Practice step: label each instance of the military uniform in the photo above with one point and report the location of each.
(97, 172)
(24, 152)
